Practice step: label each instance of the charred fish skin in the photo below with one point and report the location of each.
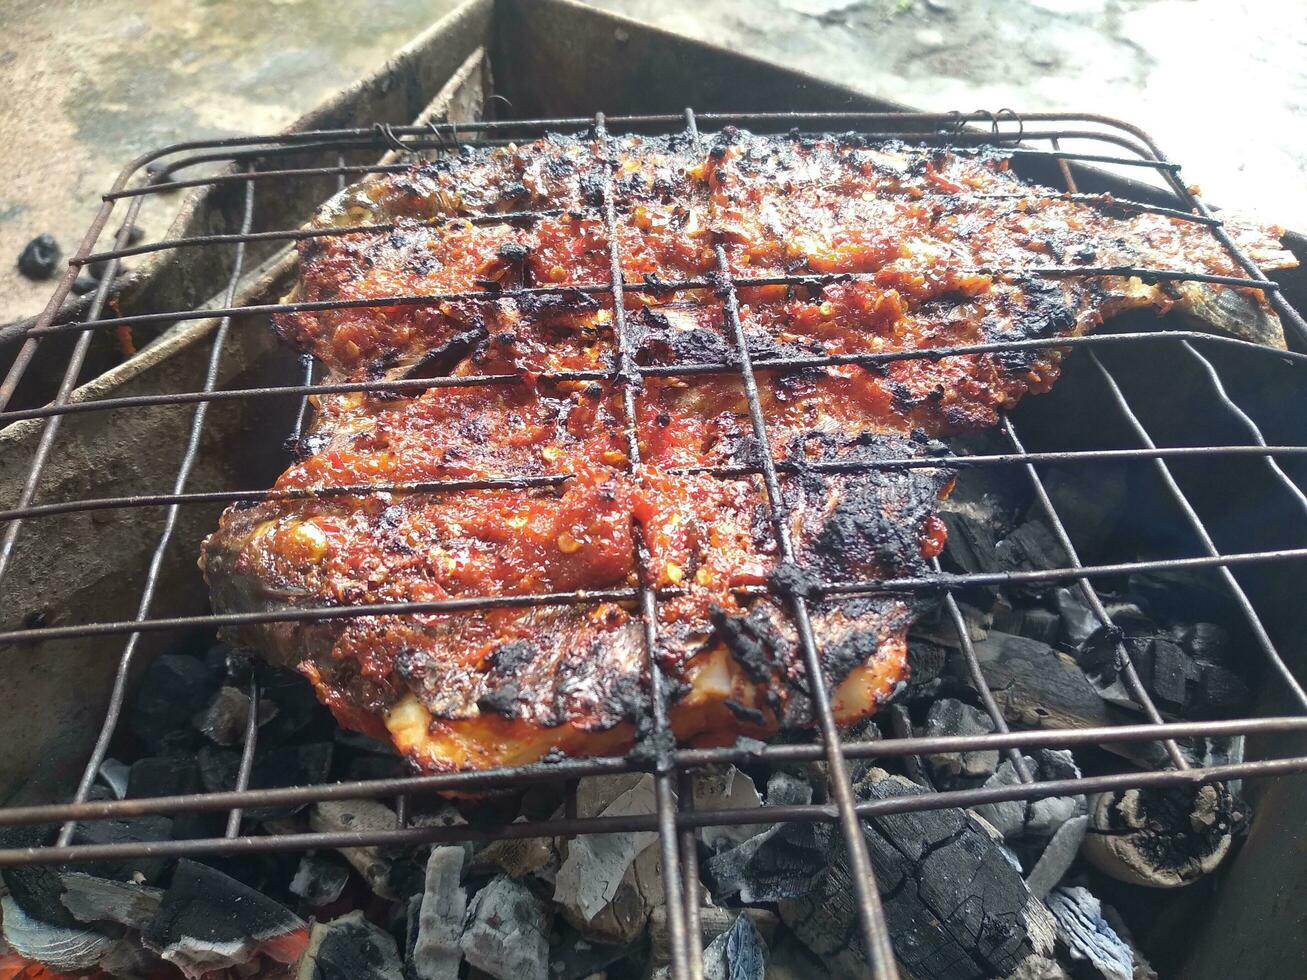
(903, 248)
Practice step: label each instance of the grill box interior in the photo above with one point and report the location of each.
(551, 60)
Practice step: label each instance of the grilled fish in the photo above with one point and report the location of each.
(896, 249)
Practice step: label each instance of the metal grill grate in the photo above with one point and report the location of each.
(674, 821)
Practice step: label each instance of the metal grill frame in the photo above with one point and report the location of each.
(674, 820)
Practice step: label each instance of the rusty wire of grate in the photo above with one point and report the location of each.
(675, 821)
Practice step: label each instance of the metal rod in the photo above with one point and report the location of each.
(72, 371)
(1191, 516)
(418, 385)
(1123, 662)
(576, 768)
(247, 759)
(875, 931)
(643, 823)
(628, 378)
(118, 692)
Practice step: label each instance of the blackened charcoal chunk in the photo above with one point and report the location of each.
(947, 717)
(319, 879)
(1183, 594)
(210, 921)
(298, 708)
(926, 661)
(90, 899)
(174, 775)
(39, 258)
(1031, 547)
(123, 831)
(171, 691)
(349, 948)
(227, 715)
(1206, 642)
(507, 932)
(84, 283)
(292, 765)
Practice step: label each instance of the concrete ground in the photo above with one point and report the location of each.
(1221, 84)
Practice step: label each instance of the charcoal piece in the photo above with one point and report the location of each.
(1160, 837)
(40, 257)
(288, 765)
(298, 708)
(1082, 929)
(737, 954)
(1205, 642)
(225, 717)
(899, 722)
(1030, 547)
(1032, 622)
(950, 717)
(38, 890)
(67, 949)
(1079, 621)
(1183, 594)
(386, 872)
(123, 831)
(926, 663)
(319, 880)
(955, 906)
(506, 934)
(724, 788)
(114, 775)
(1034, 819)
(1058, 856)
(174, 775)
(714, 923)
(1173, 672)
(595, 865)
(516, 857)
(434, 952)
(172, 689)
(210, 921)
(781, 861)
(1221, 693)
(91, 899)
(349, 948)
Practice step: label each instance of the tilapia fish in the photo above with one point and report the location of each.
(927, 249)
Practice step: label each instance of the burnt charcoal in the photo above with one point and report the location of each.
(1031, 546)
(1079, 622)
(40, 257)
(290, 765)
(434, 952)
(1032, 622)
(38, 890)
(174, 775)
(1034, 819)
(595, 878)
(123, 831)
(1173, 672)
(1221, 693)
(1161, 837)
(210, 921)
(67, 949)
(1056, 859)
(1128, 617)
(84, 283)
(349, 948)
(778, 862)
(899, 722)
(948, 717)
(737, 954)
(926, 663)
(224, 719)
(298, 710)
(389, 872)
(362, 757)
(172, 690)
(714, 924)
(507, 931)
(1087, 937)
(113, 775)
(956, 907)
(1205, 642)
(90, 900)
(319, 879)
